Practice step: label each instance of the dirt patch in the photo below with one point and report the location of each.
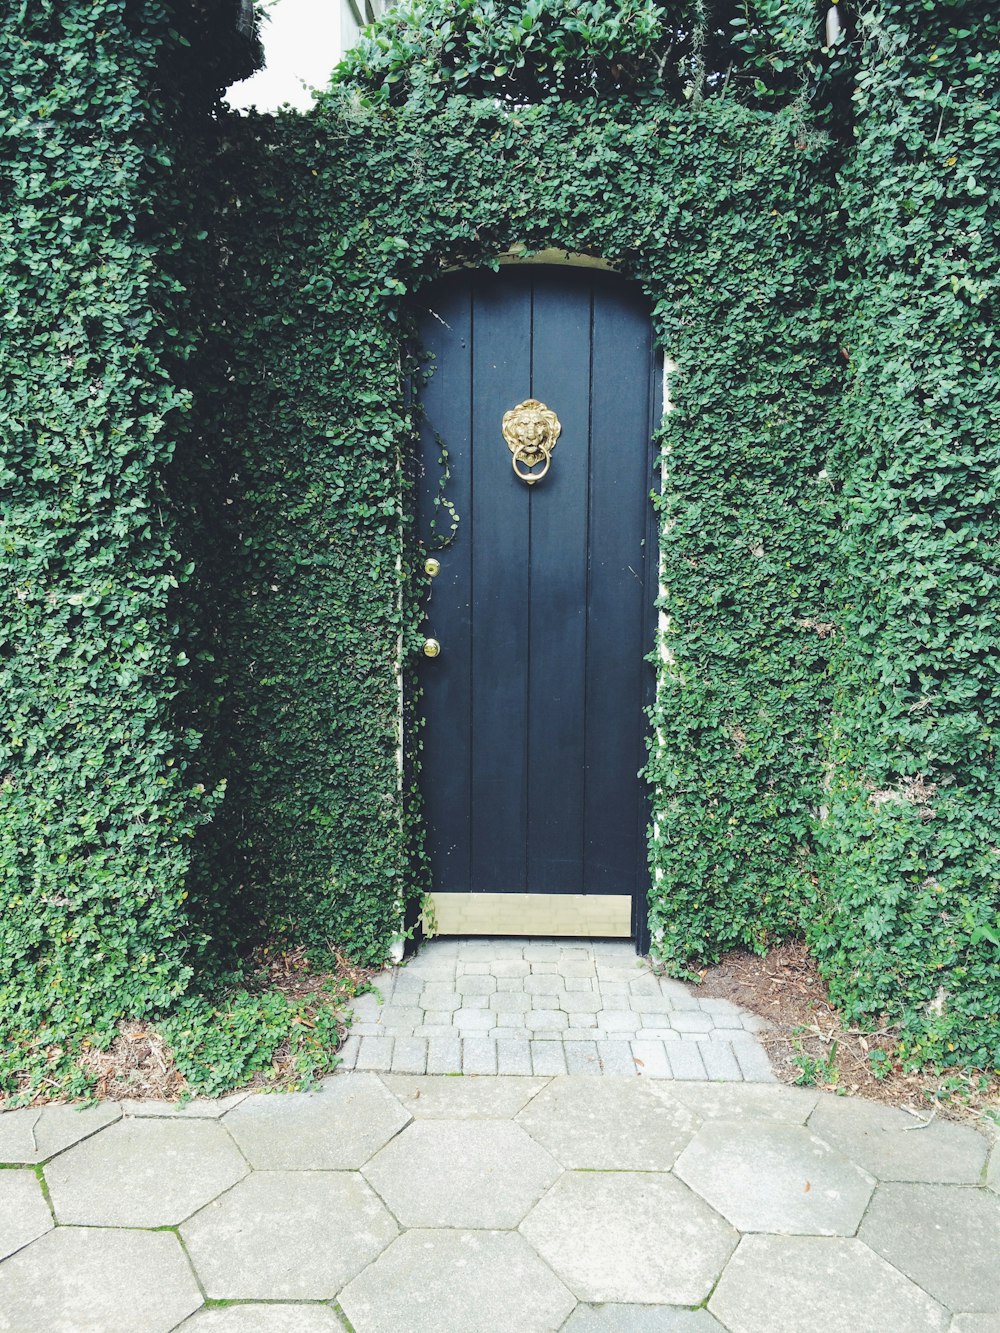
(809, 1043)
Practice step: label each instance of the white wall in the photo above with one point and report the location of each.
(303, 41)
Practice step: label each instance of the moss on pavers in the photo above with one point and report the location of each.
(251, 1318)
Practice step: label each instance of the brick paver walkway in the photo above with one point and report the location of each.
(514, 1006)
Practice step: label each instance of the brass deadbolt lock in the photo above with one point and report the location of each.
(432, 567)
(431, 648)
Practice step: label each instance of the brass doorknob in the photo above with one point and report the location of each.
(431, 647)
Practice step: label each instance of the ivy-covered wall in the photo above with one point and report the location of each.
(102, 787)
(723, 216)
(907, 913)
(112, 758)
(210, 567)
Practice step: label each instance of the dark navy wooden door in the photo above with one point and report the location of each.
(535, 727)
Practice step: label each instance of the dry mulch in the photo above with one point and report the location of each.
(138, 1065)
(809, 1042)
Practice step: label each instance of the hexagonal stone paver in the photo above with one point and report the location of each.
(336, 1129)
(627, 1236)
(32, 1135)
(742, 1101)
(461, 1173)
(769, 1176)
(144, 1173)
(264, 1319)
(24, 1214)
(640, 1319)
(892, 1145)
(799, 1284)
(945, 1237)
(76, 1279)
(434, 1098)
(476, 1281)
(607, 1124)
(287, 1235)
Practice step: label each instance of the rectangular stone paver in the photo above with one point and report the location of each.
(692, 1022)
(510, 967)
(510, 1000)
(348, 1053)
(651, 1059)
(375, 1053)
(513, 1057)
(444, 1055)
(720, 1062)
(753, 1062)
(474, 1020)
(397, 1018)
(548, 1057)
(686, 1061)
(434, 1029)
(582, 1057)
(616, 1057)
(409, 1055)
(479, 1055)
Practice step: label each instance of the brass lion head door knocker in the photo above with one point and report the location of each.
(531, 430)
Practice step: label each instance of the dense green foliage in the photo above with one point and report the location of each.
(210, 574)
(909, 901)
(102, 791)
(636, 51)
(723, 213)
(105, 780)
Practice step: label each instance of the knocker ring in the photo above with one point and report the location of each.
(531, 430)
(529, 458)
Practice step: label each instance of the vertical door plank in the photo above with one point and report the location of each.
(558, 503)
(616, 618)
(446, 765)
(500, 586)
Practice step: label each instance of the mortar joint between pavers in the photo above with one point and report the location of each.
(190, 1263)
(39, 1170)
